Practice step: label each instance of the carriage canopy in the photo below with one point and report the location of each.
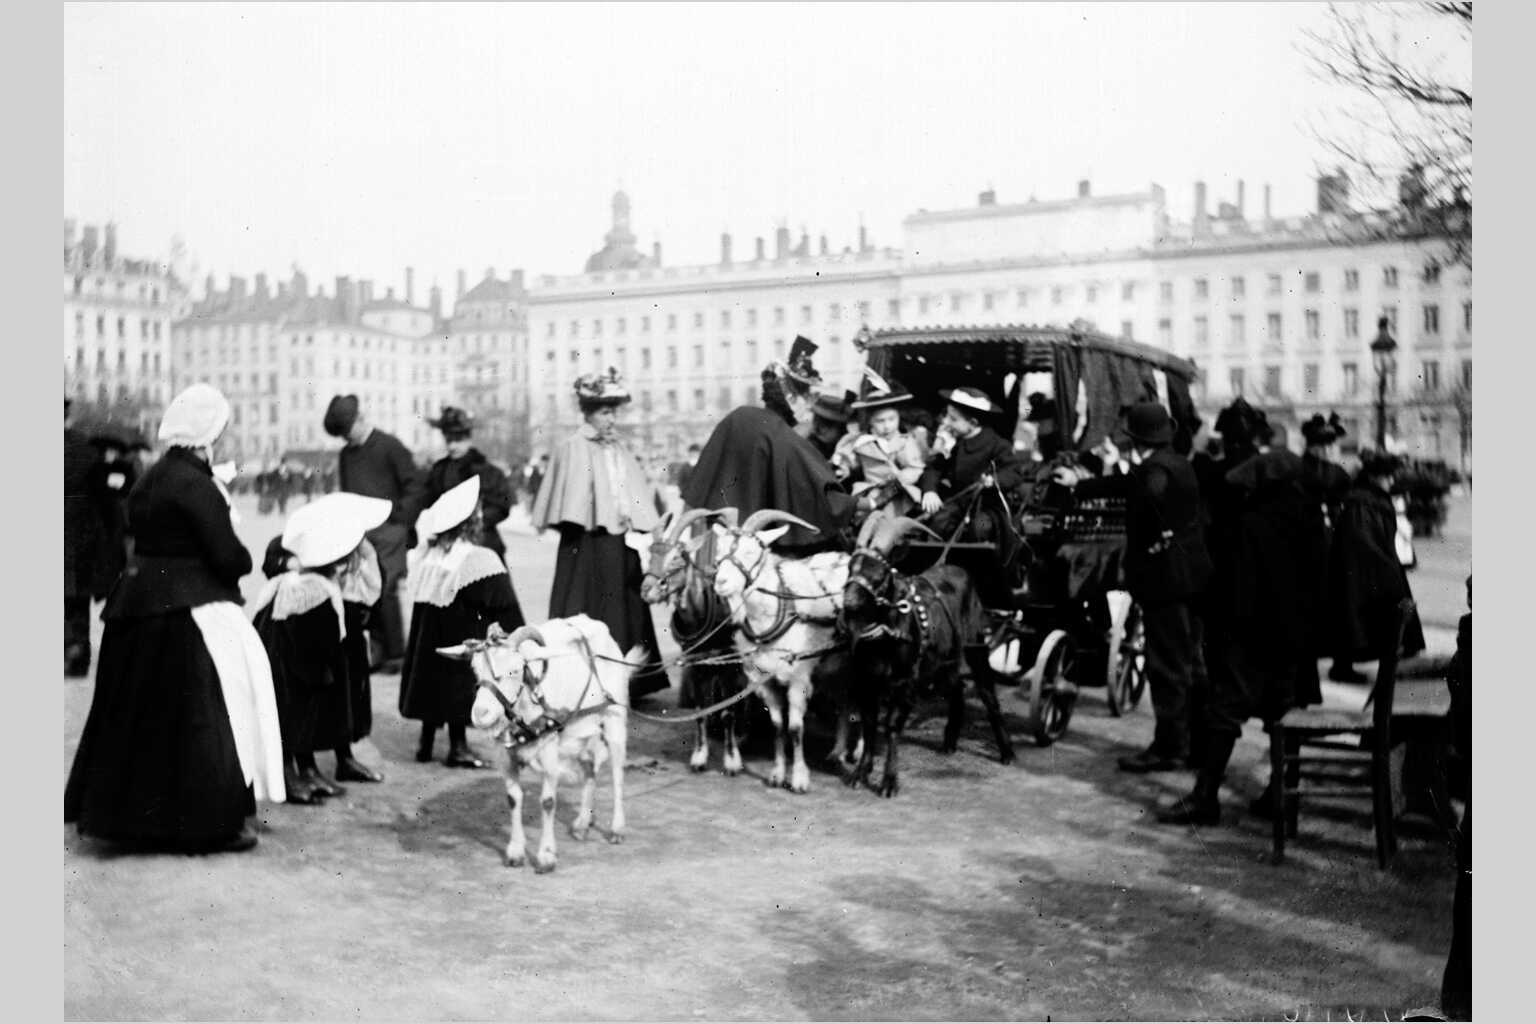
(1093, 376)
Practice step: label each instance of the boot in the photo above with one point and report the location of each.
(1202, 806)
(460, 754)
(350, 769)
(299, 790)
(424, 745)
(310, 773)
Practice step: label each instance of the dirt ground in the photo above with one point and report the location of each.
(1038, 890)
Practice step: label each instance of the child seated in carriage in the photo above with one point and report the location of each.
(883, 460)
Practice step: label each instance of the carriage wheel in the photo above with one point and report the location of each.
(1052, 693)
(1125, 667)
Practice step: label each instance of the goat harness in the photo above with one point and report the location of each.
(520, 732)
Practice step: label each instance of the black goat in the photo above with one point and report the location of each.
(908, 635)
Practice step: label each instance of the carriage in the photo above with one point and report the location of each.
(1067, 623)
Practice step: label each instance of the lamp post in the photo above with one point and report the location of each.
(1383, 357)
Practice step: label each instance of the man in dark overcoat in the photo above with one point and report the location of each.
(1366, 578)
(1261, 613)
(377, 465)
(1166, 568)
(463, 461)
(81, 536)
(1327, 483)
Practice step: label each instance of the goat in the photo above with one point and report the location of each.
(557, 697)
(679, 571)
(785, 611)
(908, 635)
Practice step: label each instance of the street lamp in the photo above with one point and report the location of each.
(1383, 357)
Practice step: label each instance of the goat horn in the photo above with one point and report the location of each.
(766, 516)
(866, 529)
(729, 514)
(665, 523)
(686, 519)
(890, 531)
(522, 633)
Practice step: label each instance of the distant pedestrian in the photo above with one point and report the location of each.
(459, 589)
(111, 479)
(82, 528)
(536, 472)
(376, 464)
(182, 736)
(1367, 578)
(462, 461)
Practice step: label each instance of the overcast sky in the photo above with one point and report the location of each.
(363, 138)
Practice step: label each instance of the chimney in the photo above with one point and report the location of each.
(1241, 197)
(435, 302)
(364, 294)
(863, 239)
(88, 244)
(1082, 188)
(823, 245)
(460, 294)
(210, 288)
(109, 247)
(517, 280)
(781, 243)
(1202, 219)
(261, 286)
(236, 290)
(1333, 192)
(725, 249)
(760, 254)
(1266, 203)
(345, 298)
(300, 285)
(410, 286)
(656, 254)
(282, 289)
(804, 248)
(987, 198)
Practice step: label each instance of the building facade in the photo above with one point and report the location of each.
(118, 315)
(692, 341)
(280, 355)
(488, 337)
(1279, 310)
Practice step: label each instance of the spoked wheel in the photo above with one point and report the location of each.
(1125, 667)
(1052, 694)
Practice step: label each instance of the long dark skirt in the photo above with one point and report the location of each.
(349, 716)
(157, 759)
(439, 690)
(596, 574)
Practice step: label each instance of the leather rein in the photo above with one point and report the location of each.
(520, 732)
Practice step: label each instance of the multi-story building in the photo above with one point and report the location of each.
(692, 341)
(279, 356)
(117, 327)
(488, 335)
(1281, 310)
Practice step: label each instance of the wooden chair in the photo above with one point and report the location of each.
(1358, 761)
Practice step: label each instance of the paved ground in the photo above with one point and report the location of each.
(981, 892)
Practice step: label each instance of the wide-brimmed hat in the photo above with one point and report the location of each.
(973, 399)
(599, 389)
(1241, 422)
(1149, 423)
(799, 367)
(1374, 463)
(454, 422)
(340, 415)
(875, 392)
(329, 528)
(832, 408)
(196, 417)
(452, 508)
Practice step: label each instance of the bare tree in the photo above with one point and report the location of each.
(1409, 130)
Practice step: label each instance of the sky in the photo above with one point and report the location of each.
(360, 139)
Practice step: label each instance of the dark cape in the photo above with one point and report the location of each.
(1367, 580)
(755, 460)
(597, 574)
(310, 676)
(157, 759)
(495, 492)
(438, 689)
(110, 484)
(82, 526)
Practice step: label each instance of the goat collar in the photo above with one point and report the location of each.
(520, 732)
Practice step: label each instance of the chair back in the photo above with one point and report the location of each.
(1386, 670)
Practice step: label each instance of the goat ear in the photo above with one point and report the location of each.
(693, 544)
(767, 537)
(458, 652)
(718, 530)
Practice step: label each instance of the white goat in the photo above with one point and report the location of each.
(557, 697)
(785, 611)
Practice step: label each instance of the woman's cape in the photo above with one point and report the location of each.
(592, 485)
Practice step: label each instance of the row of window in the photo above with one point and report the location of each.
(1430, 381)
(1311, 283)
(151, 292)
(148, 361)
(147, 328)
(860, 310)
(1237, 325)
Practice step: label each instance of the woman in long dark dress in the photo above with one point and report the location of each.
(301, 618)
(458, 589)
(597, 495)
(182, 736)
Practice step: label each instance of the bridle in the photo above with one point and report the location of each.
(522, 732)
(884, 592)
